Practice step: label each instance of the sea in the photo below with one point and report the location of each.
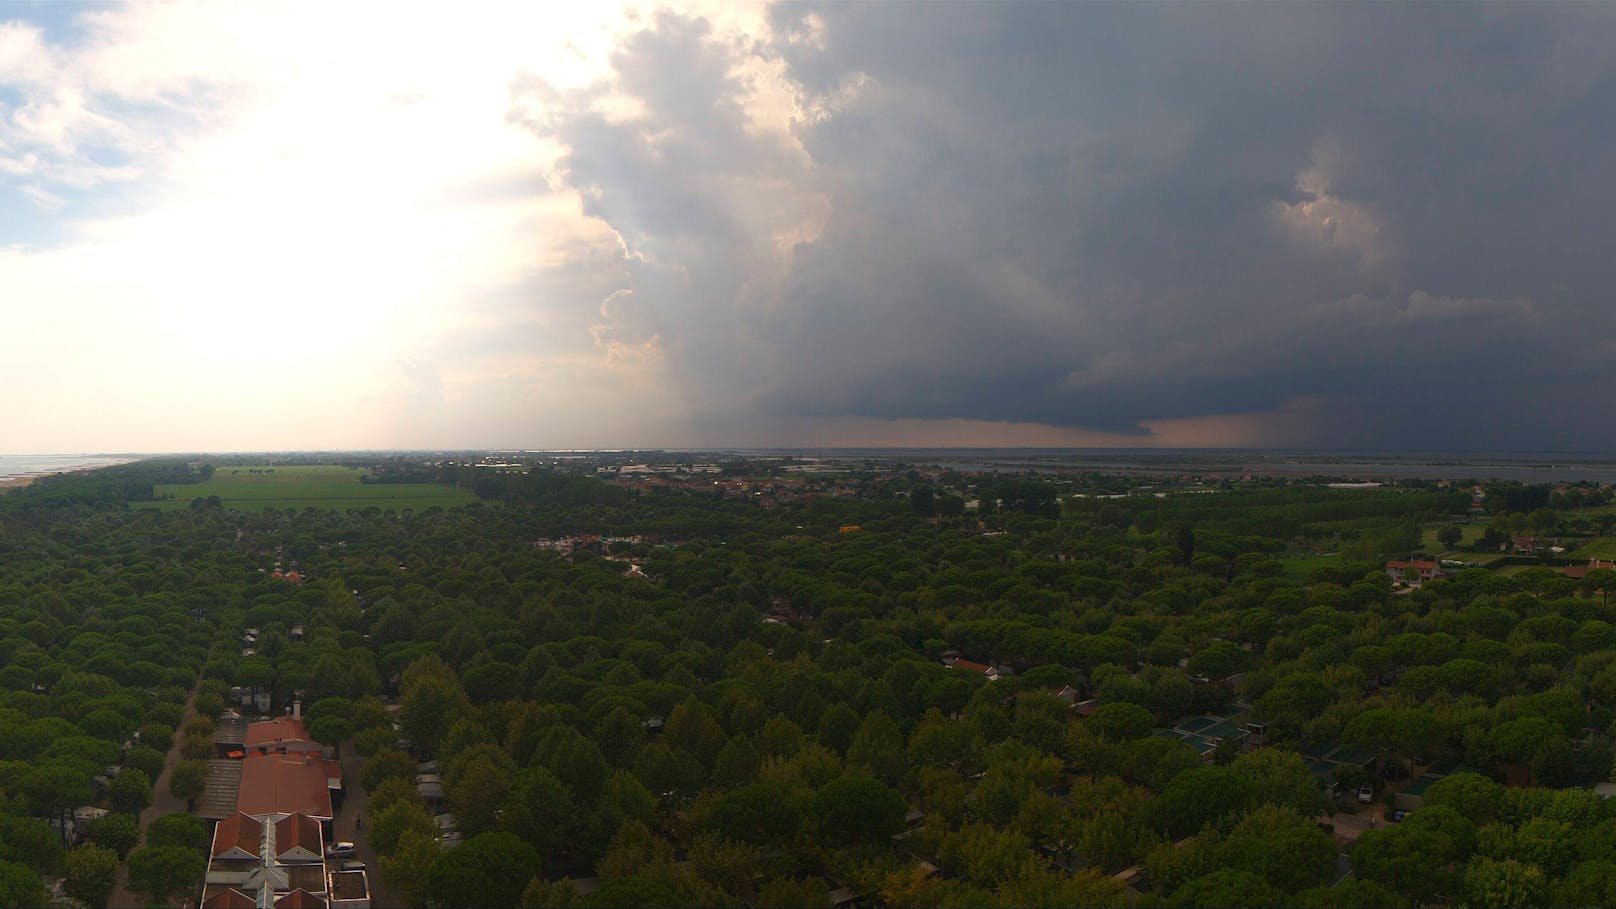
(15, 466)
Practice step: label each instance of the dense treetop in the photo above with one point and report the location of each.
(698, 700)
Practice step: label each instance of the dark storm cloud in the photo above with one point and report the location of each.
(1101, 215)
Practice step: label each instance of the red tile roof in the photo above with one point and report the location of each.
(230, 899)
(237, 830)
(1418, 565)
(1578, 572)
(300, 899)
(286, 783)
(974, 667)
(296, 830)
(280, 729)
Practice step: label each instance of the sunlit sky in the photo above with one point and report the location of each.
(250, 226)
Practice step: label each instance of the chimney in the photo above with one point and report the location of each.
(297, 709)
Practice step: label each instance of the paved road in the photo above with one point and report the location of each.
(163, 802)
(1349, 827)
(356, 804)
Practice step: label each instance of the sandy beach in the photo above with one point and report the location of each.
(7, 483)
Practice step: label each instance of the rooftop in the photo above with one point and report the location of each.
(296, 830)
(238, 831)
(280, 729)
(230, 898)
(349, 885)
(283, 784)
(229, 730)
(300, 899)
(219, 797)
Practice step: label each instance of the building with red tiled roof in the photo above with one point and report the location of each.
(962, 663)
(1578, 572)
(275, 785)
(300, 899)
(238, 837)
(292, 576)
(230, 899)
(298, 839)
(282, 735)
(286, 857)
(1426, 571)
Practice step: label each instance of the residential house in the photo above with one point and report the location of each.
(282, 735)
(1420, 570)
(430, 787)
(1579, 572)
(991, 673)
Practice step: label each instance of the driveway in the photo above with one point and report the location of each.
(356, 804)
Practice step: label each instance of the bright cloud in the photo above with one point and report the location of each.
(303, 199)
(282, 225)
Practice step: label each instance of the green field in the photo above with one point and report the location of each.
(1602, 548)
(1469, 533)
(1299, 567)
(254, 488)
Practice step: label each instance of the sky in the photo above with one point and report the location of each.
(279, 226)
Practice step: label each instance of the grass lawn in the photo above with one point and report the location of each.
(256, 488)
(1469, 533)
(1297, 568)
(1601, 548)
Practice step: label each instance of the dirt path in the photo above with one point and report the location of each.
(163, 802)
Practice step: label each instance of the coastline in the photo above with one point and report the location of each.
(17, 482)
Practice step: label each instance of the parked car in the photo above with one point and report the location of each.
(1366, 794)
(340, 850)
(1397, 816)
